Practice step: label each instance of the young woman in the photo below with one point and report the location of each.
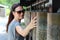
(15, 31)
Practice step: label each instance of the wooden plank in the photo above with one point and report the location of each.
(27, 17)
(53, 26)
(27, 20)
(40, 2)
(41, 32)
(33, 14)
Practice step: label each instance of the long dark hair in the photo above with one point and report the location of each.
(11, 17)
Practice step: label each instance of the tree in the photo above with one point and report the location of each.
(9, 2)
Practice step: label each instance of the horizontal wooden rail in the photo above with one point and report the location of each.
(40, 2)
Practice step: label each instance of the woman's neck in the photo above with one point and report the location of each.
(17, 19)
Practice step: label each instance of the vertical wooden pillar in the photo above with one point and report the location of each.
(42, 26)
(27, 19)
(40, 33)
(37, 29)
(53, 26)
(33, 14)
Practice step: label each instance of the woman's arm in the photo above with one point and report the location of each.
(22, 32)
(25, 31)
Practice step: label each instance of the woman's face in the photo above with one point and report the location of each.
(19, 12)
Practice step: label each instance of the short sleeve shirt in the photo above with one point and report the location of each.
(12, 34)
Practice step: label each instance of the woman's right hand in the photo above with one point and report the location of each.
(33, 23)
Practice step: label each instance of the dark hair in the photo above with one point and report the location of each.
(11, 17)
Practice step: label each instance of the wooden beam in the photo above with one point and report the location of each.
(42, 26)
(40, 2)
(33, 14)
(27, 19)
(53, 26)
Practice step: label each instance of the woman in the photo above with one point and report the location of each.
(15, 31)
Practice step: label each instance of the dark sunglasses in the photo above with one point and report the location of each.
(21, 11)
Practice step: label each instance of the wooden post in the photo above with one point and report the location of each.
(38, 33)
(33, 14)
(53, 26)
(27, 19)
(41, 32)
(37, 29)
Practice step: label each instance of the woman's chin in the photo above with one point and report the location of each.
(20, 18)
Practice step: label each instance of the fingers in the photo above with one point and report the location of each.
(35, 18)
(35, 26)
(33, 22)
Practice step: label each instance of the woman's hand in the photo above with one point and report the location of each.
(33, 23)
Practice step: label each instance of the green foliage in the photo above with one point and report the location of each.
(22, 24)
(3, 1)
(24, 7)
(8, 2)
(7, 11)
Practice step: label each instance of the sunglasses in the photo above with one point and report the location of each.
(20, 11)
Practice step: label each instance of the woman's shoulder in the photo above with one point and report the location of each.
(13, 23)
